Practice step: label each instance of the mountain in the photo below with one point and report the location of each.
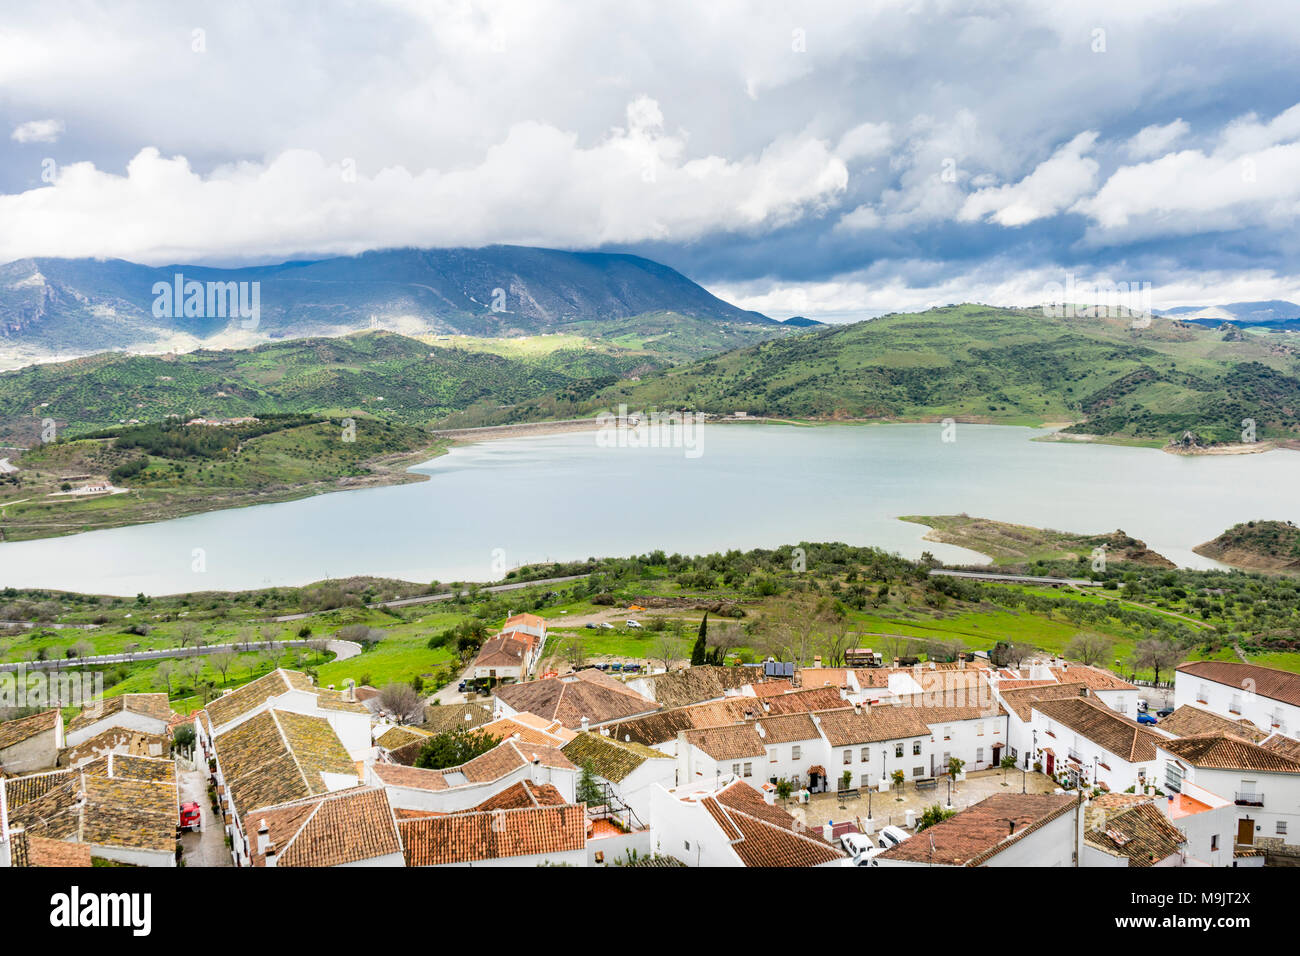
(1256, 545)
(802, 322)
(1271, 314)
(983, 364)
(50, 307)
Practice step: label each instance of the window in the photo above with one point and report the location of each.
(947, 733)
(795, 752)
(1235, 706)
(916, 748)
(735, 770)
(1173, 777)
(979, 728)
(918, 771)
(898, 750)
(1281, 828)
(1203, 695)
(848, 757)
(865, 781)
(979, 755)
(749, 769)
(1214, 842)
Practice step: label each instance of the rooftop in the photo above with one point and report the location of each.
(1189, 721)
(1126, 739)
(1139, 833)
(1266, 681)
(278, 756)
(982, 831)
(24, 728)
(493, 834)
(156, 706)
(1229, 753)
(607, 757)
(569, 698)
(348, 826)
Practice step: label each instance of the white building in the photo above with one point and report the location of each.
(515, 836)
(31, 743)
(148, 713)
(630, 770)
(307, 832)
(1268, 698)
(733, 825)
(1006, 829)
(1263, 786)
(1091, 745)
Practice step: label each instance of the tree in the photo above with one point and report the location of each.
(701, 649)
(1158, 654)
(401, 700)
(589, 791)
(162, 676)
(1088, 647)
(318, 646)
(83, 648)
(931, 815)
(222, 659)
(954, 766)
(451, 748)
(1008, 762)
(666, 647)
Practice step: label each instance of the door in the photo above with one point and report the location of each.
(1051, 764)
(997, 755)
(1246, 832)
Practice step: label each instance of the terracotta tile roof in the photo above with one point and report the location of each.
(395, 737)
(980, 832)
(843, 728)
(504, 650)
(348, 826)
(1020, 684)
(131, 767)
(1283, 745)
(24, 728)
(1139, 832)
(440, 717)
(156, 706)
(277, 756)
(772, 687)
(1220, 752)
(1094, 678)
(254, 694)
(121, 740)
(103, 810)
(936, 708)
(1267, 682)
(524, 620)
(494, 835)
(570, 698)
(654, 729)
(1020, 701)
(608, 758)
(1189, 721)
(705, 682)
(733, 742)
(530, 729)
(524, 794)
(21, 790)
(507, 756)
(805, 701)
(1112, 731)
(764, 835)
(39, 851)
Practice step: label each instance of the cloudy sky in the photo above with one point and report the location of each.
(831, 159)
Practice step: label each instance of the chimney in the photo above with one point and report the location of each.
(817, 661)
(895, 661)
(350, 694)
(264, 838)
(961, 662)
(761, 732)
(270, 853)
(586, 725)
(1011, 828)
(769, 795)
(828, 832)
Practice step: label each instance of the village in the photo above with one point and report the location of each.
(881, 763)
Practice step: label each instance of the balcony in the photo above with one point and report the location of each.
(1074, 755)
(1249, 799)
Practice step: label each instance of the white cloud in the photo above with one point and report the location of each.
(1154, 140)
(1250, 179)
(1052, 186)
(38, 131)
(864, 141)
(538, 186)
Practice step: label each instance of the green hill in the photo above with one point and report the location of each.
(1257, 545)
(982, 364)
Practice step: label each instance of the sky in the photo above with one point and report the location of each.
(835, 160)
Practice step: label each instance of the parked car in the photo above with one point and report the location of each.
(856, 843)
(605, 625)
(590, 625)
(891, 837)
(633, 624)
(1142, 704)
(461, 687)
(1145, 718)
(631, 668)
(190, 816)
(1164, 712)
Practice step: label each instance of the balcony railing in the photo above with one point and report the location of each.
(1250, 799)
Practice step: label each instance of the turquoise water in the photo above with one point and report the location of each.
(491, 506)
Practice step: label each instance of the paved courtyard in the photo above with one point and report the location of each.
(892, 807)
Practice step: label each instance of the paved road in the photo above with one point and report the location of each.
(208, 846)
(443, 596)
(1022, 578)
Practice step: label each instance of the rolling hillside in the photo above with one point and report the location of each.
(983, 364)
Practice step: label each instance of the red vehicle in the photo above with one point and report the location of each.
(190, 816)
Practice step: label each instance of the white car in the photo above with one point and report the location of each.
(635, 624)
(891, 837)
(856, 843)
(606, 625)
